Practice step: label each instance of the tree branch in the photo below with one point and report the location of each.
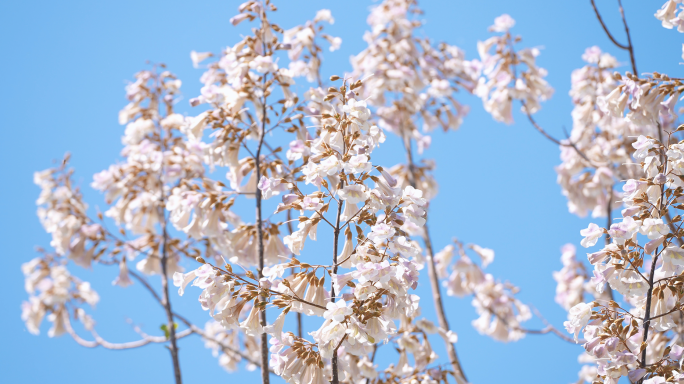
(336, 237)
(630, 46)
(434, 279)
(100, 342)
(551, 138)
(299, 314)
(204, 335)
(605, 28)
(165, 273)
(265, 378)
(195, 329)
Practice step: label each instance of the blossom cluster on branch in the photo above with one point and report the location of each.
(304, 157)
(626, 135)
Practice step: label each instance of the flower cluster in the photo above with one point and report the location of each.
(231, 347)
(51, 287)
(501, 313)
(381, 256)
(641, 260)
(502, 78)
(601, 142)
(306, 160)
(48, 282)
(303, 53)
(409, 80)
(139, 189)
(650, 101)
(672, 15)
(571, 279)
(327, 167)
(646, 270)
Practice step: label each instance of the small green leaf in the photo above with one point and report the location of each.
(164, 328)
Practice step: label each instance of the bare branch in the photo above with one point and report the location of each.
(605, 28)
(100, 342)
(630, 46)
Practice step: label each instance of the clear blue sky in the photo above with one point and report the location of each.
(65, 66)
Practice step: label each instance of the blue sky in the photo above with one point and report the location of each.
(63, 75)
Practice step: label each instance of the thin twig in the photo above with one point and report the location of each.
(630, 46)
(672, 227)
(673, 310)
(551, 138)
(605, 28)
(553, 329)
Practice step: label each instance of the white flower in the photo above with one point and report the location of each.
(312, 203)
(237, 19)
(613, 103)
(358, 110)
(358, 164)
(623, 231)
(502, 23)
(591, 235)
(196, 126)
(655, 380)
(381, 232)
(427, 326)
(440, 88)
(642, 145)
(405, 247)
(578, 317)
(674, 255)
(486, 254)
(324, 15)
(123, 280)
(58, 328)
(667, 14)
(329, 166)
(335, 43)
(378, 328)
(636, 374)
(252, 325)
(653, 228)
(271, 186)
(137, 130)
(353, 194)
(652, 245)
(592, 55)
(676, 352)
(337, 311)
(198, 57)
(297, 150)
(414, 195)
(263, 64)
(449, 336)
(276, 329)
(182, 280)
(173, 121)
